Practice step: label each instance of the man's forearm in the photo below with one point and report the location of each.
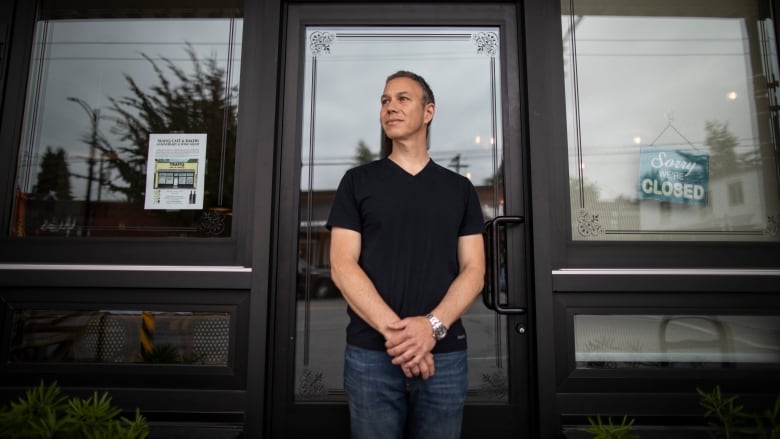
(460, 296)
(362, 296)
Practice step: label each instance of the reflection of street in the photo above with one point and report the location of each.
(321, 377)
(327, 334)
(487, 353)
(114, 336)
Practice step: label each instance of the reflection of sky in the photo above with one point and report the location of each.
(88, 59)
(638, 74)
(351, 77)
(635, 75)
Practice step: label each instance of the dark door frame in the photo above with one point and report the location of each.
(285, 417)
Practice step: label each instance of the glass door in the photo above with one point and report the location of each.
(340, 72)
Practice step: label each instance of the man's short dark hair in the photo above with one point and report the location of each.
(427, 92)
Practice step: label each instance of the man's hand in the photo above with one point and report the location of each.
(424, 369)
(410, 346)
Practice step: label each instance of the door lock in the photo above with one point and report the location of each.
(520, 328)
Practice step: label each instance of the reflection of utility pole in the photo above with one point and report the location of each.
(102, 179)
(456, 163)
(92, 140)
(100, 176)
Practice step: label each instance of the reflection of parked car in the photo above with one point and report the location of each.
(320, 284)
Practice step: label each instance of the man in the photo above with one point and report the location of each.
(407, 254)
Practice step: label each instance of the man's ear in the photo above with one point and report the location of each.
(430, 110)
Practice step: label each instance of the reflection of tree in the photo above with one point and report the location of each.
(590, 190)
(54, 176)
(723, 155)
(363, 154)
(592, 197)
(197, 102)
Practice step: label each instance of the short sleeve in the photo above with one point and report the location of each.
(344, 211)
(473, 220)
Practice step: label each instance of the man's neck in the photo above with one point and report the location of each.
(411, 158)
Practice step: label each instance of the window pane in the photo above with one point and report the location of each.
(108, 336)
(346, 69)
(659, 341)
(130, 126)
(672, 120)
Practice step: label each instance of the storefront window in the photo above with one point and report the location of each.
(127, 336)
(663, 341)
(672, 120)
(130, 123)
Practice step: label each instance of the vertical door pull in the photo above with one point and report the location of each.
(493, 269)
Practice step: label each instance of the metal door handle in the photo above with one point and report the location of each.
(490, 293)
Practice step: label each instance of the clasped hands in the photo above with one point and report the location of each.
(410, 342)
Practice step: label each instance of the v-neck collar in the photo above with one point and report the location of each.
(400, 168)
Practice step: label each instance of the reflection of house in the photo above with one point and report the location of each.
(314, 239)
(733, 204)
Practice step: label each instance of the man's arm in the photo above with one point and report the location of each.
(355, 285)
(414, 338)
(361, 294)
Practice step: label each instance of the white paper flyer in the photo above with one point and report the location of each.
(175, 171)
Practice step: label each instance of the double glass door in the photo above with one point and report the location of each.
(334, 77)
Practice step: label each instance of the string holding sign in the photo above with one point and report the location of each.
(670, 124)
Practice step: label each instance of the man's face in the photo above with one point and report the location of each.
(403, 114)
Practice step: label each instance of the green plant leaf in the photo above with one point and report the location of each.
(611, 431)
(45, 413)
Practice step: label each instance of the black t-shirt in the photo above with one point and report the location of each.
(409, 226)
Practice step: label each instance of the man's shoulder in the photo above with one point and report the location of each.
(370, 173)
(367, 168)
(444, 172)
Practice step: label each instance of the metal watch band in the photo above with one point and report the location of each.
(439, 329)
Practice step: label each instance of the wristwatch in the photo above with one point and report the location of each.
(439, 329)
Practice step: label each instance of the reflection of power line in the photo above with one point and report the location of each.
(718, 40)
(103, 58)
(440, 154)
(342, 162)
(633, 148)
(135, 43)
(662, 54)
(437, 157)
(328, 163)
(661, 40)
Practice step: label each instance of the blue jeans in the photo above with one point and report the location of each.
(383, 403)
